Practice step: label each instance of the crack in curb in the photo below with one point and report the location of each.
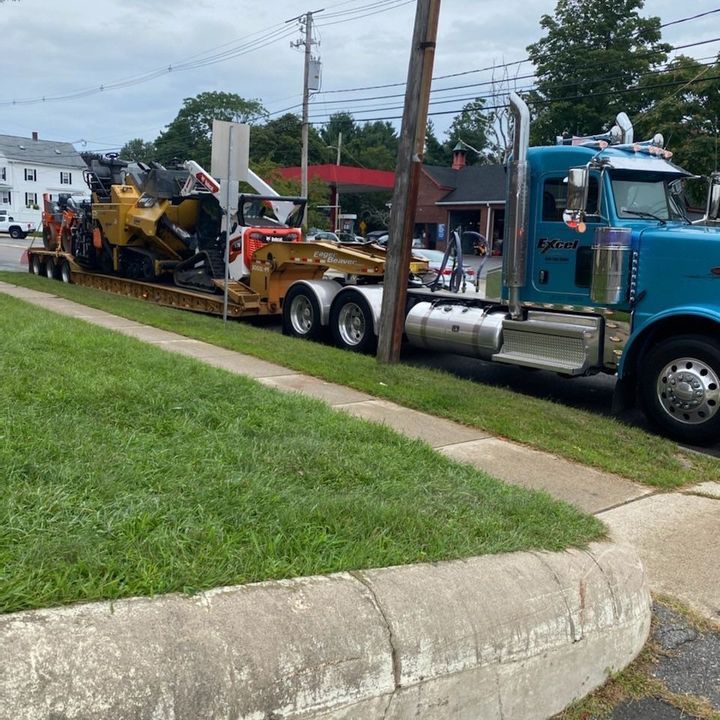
(548, 567)
(391, 637)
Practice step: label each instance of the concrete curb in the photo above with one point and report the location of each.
(507, 636)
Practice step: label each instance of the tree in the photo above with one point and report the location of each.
(687, 113)
(280, 141)
(470, 127)
(138, 150)
(592, 53)
(436, 153)
(189, 135)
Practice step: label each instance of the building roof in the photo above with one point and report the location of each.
(40, 152)
(470, 184)
(346, 178)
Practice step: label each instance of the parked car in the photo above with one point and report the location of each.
(434, 259)
(324, 235)
(383, 241)
(348, 238)
(373, 235)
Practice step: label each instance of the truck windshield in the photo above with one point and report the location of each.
(648, 199)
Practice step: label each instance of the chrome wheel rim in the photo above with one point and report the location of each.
(36, 266)
(65, 273)
(50, 269)
(351, 324)
(302, 317)
(688, 390)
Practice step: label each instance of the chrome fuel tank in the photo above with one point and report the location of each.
(455, 328)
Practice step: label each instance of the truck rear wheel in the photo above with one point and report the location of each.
(301, 313)
(351, 322)
(36, 266)
(680, 388)
(16, 233)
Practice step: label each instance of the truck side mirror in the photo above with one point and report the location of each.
(577, 193)
(713, 207)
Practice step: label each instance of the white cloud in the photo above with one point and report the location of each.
(83, 44)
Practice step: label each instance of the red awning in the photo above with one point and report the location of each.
(345, 178)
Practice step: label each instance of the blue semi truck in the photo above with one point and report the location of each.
(602, 272)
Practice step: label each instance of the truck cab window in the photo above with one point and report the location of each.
(554, 199)
(637, 199)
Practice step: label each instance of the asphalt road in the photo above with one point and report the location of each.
(11, 252)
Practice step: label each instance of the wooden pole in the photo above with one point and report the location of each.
(407, 180)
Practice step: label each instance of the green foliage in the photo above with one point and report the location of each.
(189, 135)
(470, 127)
(592, 52)
(436, 153)
(687, 114)
(280, 142)
(138, 150)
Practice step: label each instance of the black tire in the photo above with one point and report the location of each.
(36, 265)
(680, 388)
(351, 322)
(50, 269)
(16, 233)
(301, 314)
(65, 272)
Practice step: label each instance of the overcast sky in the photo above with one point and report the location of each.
(71, 46)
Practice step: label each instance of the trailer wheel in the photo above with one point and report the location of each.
(680, 388)
(36, 265)
(65, 272)
(50, 269)
(301, 314)
(351, 322)
(16, 233)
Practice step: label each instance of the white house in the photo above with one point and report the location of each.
(30, 167)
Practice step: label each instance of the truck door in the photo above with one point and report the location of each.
(562, 257)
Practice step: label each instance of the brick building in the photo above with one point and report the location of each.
(470, 197)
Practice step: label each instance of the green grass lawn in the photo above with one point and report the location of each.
(127, 471)
(577, 435)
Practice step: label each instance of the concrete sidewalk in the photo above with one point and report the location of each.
(675, 534)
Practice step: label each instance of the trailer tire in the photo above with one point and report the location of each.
(50, 269)
(16, 233)
(36, 265)
(301, 314)
(65, 272)
(680, 388)
(351, 322)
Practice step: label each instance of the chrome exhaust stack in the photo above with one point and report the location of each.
(516, 223)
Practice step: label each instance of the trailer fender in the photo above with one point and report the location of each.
(324, 292)
(373, 294)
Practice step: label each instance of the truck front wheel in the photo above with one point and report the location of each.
(680, 388)
(16, 233)
(351, 322)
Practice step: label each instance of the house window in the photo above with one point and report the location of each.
(31, 174)
(4, 197)
(3, 173)
(65, 178)
(30, 199)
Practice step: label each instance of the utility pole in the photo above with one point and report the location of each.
(308, 43)
(337, 192)
(407, 180)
